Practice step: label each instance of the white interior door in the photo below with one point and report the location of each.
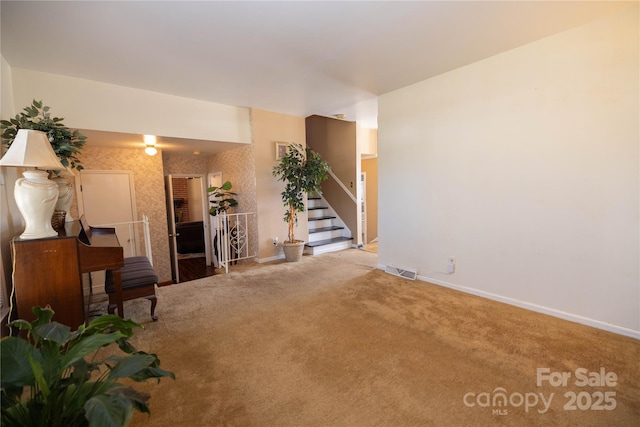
(108, 197)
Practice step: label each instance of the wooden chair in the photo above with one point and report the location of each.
(138, 280)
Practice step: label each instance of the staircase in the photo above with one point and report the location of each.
(326, 232)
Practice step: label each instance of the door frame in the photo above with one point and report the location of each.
(363, 206)
(172, 225)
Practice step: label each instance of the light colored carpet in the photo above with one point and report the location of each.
(331, 341)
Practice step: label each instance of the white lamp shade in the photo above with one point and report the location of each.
(31, 148)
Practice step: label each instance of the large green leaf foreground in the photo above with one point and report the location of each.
(51, 377)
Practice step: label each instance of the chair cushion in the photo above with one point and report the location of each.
(137, 271)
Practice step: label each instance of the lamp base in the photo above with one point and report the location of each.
(36, 197)
(65, 197)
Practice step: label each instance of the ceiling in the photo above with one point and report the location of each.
(292, 57)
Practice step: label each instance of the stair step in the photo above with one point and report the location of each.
(321, 229)
(315, 208)
(328, 241)
(321, 218)
(314, 198)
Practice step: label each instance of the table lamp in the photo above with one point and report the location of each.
(36, 195)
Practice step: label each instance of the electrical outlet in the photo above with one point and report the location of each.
(451, 266)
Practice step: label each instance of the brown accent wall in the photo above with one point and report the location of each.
(335, 141)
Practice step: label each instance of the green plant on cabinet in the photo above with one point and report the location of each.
(66, 143)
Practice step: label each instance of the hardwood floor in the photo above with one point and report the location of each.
(371, 247)
(194, 268)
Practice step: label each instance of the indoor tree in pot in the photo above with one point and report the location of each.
(303, 171)
(66, 143)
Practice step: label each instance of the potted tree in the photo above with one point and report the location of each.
(66, 143)
(303, 171)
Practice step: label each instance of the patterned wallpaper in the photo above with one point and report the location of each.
(176, 164)
(149, 192)
(238, 166)
(149, 171)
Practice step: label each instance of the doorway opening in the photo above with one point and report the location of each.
(188, 220)
(194, 268)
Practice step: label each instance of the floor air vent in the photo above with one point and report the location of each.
(407, 274)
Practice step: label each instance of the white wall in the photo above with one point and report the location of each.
(524, 167)
(87, 104)
(11, 221)
(6, 90)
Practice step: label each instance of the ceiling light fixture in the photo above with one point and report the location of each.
(150, 144)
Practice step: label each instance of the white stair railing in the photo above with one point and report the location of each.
(233, 237)
(132, 246)
(344, 187)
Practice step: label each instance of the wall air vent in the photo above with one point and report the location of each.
(407, 274)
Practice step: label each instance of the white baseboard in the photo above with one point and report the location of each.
(616, 329)
(269, 259)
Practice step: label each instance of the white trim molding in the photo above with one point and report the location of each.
(620, 330)
(344, 187)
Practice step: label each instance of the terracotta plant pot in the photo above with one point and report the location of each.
(293, 251)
